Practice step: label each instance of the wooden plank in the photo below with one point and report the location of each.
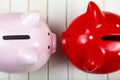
(74, 9)
(114, 76)
(4, 76)
(97, 77)
(41, 6)
(4, 8)
(40, 74)
(57, 23)
(19, 6)
(22, 76)
(113, 6)
(76, 74)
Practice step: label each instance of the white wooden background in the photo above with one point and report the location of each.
(58, 14)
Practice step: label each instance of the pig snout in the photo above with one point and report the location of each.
(53, 43)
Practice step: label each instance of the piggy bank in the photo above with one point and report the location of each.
(26, 42)
(92, 41)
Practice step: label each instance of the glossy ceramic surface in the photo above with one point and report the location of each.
(26, 42)
(92, 41)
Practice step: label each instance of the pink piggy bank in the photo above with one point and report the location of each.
(26, 42)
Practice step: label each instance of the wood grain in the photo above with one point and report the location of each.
(57, 23)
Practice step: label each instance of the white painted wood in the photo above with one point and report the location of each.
(74, 9)
(76, 74)
(114, 76)
(112, 6)
(4, 8)
(19, 6)
(4, 76)
(57, 23)
(19, 76)
(40, 74)
(41, 6)
(59, 14)
(97, 77)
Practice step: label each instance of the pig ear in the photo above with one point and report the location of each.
(96, 14)
(30, 19)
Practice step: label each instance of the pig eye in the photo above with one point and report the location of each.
(68, 46)
(49, 47)
(48, 33)
(16, 37)
(68, 36)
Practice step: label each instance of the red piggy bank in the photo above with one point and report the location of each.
(92, 41)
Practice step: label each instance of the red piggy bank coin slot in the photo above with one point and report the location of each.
(16, 37)
(111, 38)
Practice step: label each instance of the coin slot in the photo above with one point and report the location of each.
(111, 38)
(16, 37)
